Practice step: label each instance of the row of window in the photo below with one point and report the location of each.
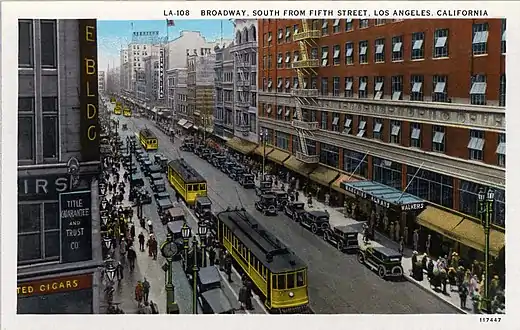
(48, 44)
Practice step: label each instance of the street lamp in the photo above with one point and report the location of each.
(186, 233)
(107, 242)
(110, 269)
(263, 138)
(486, 200)
(203, 230)
(195, 272)
(169, 250)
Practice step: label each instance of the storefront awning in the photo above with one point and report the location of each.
(461, 229)
(384, 195)
(323, 175)
(298, 166)
(187, 125)
(260, 150)
(182, 122)
(242, 146)
(278, 156)
(336, 185)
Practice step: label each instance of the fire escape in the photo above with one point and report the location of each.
(243, 84)
(305, 97)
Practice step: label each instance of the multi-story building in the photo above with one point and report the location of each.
(200, 86)
(58, 163)
(224, 92)
(178, 94)
(244, 54)
(398, 105)
(113, 85)
(124, 73)
(101, 81)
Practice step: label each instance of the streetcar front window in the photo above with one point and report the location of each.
(190, 187)
(281, 281)
(202, 186)
(275, 283)
(300, 278)
(290, 281)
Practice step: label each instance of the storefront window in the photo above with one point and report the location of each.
(282, 140)
(469, 201)
(431, 186)
(355, 162)
(329, 155)
(311, 146)
(386, 172)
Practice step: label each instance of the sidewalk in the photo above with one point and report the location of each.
(337, 218)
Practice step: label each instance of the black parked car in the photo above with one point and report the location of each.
(227, 167)
(236, 172)
(203, 208)
(295, 210)
(344, 238)
(282, 198)
(265, 186)
(218, 160)
(267, 204)
(146, 197)
(247, 180)
(385, 261)
(316, 221)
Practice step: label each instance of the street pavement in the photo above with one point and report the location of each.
(338, 284)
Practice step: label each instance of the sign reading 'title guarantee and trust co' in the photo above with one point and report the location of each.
(76, 226)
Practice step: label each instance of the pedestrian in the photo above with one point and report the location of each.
(132, 231)
(212, 255)
(428, 244)
(391, 232)
(119, 271)
(150, 226)
(221, 257)
(122, 249)
(146, 290)
(154, 246)
(249, 294)
(141, 241)
(139, 292)
(297, 195)
(463, 294)
(416, 240)
(309, 200)
(242, 296)
(131, 257)
(154, 307)
(229, 265)
(401, 245)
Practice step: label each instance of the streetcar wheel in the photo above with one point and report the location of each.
(314, 229)
(381, 271)
(360, 258)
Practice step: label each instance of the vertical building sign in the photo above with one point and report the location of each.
(76, 226)
(161, 73)
(89, 126)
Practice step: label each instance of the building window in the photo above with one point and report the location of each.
(280, 36)
(314, 83)
(325, 56)
(279, 61)
(415, 135)
(287, 114)
(329, 155)
(279, 113)
(380, 21)
(287, 85)
(440, 43)
(296, 56)
(397, 88)
(325, 27)
(362, 89)
(397, 48)
(269, 61)
(363, 52)
(38, 232)
(430, 186)
(270, 85)
(311, 146)
(395, 133)
(25, 43)
(279, 85)
(476, 145)
(335, 122)
(379, 87)
(324, 86)
(335, 26)
(26, 129)
(314, 53)
(363, 23)
(480, 38)
(386, 172)
(252, 122)
(469, 202)
(349, 53)
(295, 29)
(503, 39)
(324, 120)
(282, 140)
(417, 45)
(501, 150)
(438, 139)
(378, 129)
(379, 50)
(362, 126)
(295, 83)
(347, 126)
(349, 82)
(50, 127)
(287, 34)
(440, 89)
(478, 89)
(48, 43)
(314, 116)
(355, 163)
(336, 55)
(416, 85)
(349, 25)
(502, 91)
(288, 60)
(335, 86)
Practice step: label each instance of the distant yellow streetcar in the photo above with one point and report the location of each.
(186, 181)
(127, 112)
(148, 139)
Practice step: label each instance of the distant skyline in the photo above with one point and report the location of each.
(115, 35)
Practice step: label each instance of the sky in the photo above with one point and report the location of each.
(114, 35)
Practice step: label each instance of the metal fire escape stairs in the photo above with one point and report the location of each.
(242, 84)
(305, 97)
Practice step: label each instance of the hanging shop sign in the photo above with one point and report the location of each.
(364, 195)
(76, 226)
(413, 206)
(161, 73)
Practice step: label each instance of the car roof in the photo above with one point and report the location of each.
(217, 300)
(175, 226)
(349, 228)
(318, 213)
(156, 175)
(386, 251)
(209, 275)
(203, 200)
(268, 196)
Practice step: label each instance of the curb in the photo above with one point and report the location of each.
(447, 302)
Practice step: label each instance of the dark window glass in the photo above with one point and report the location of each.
(29, 247)
(275, 283)
(25, 138)
(48, 43)
(290, 280)
(49, 104)
(25, 104)
(50, 137)
(52, 244)
(51, 216)
(281, 282)
(28, 218)
(300, 281)
(25, 49)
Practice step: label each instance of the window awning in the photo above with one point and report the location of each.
(182, 122)
(323, 175)
(243, 146)
(278, 156)
(260, 150)
(460, 228)
(298, 166)
(384, 195)
(336, 185)
(187, 125)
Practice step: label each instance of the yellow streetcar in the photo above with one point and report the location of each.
(186, 180)
(117, 110)
(148, 139)
(113, 100)
(275, 270)
(127, 112)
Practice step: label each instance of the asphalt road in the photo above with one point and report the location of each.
(338, 284)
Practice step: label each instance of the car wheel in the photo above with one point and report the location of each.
(339, 245)
(381, 271)
(326, 236)
(360, 258)
(314, 228)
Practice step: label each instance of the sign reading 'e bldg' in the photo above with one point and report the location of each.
(89, 125)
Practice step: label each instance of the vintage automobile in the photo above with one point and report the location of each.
(267, 204)
(161, 195)
(265, 186)
(247, 180)
(282, 198)
(187, 145)
(227, 167)
(124, 127)
(205, 153)
(161, 160)
(139, 152)
(218, 160)
(344, 238)
(316, 221)
(146, 197)
(136, 180)
(173, 214)
(385, 261)
(155, 176)
(158, 185)
(295, 210)
(236, 172)
(163, 205)
(212, 298)
(133, 169)
(153, 170)
(202, 208)
(175, 228)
